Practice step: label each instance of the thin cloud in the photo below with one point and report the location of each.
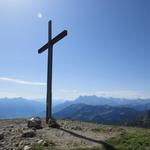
(22, 81)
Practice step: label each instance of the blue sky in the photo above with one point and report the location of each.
(106, 52)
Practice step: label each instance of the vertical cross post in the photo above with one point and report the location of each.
(49, 46)
(49, 75)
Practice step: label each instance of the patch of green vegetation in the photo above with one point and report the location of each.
(41, 147)
(108, 129)
(139, 140)
(86, 148)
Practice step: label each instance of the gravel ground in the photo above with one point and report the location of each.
(72, 134)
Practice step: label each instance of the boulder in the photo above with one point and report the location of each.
(29, 134)
(34, 123)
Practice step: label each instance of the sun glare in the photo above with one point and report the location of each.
(39, 15)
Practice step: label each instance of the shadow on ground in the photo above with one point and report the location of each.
(106, 145)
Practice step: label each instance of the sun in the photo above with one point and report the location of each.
(39, 15)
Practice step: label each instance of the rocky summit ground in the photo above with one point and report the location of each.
(73, 135)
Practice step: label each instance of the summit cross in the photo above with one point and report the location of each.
(49, 46)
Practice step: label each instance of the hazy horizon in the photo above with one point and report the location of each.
(64, 100)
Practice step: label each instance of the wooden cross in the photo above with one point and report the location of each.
(49, 46)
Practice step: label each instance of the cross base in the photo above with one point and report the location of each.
(52, 123)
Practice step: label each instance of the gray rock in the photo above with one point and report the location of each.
(15, 144)
(44, 143)
(34, 123)
(40, 141)
(29, 134)
(27, 147)
(1, 136)
(21, 144)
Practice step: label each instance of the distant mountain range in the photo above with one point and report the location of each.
(19, 108)
(23, 108)
(103, 114)
(85, 108)
(106, 110)
(137, 104)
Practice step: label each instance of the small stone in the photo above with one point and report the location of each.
(11, 126)
(110, 129)
(33, 128)
(29, 134)
(21, 143)
(27, 147)
(15, 144)
(40, 142)
(34, 123)
(45, 144)
(1, 136)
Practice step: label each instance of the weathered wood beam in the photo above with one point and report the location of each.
(53, 41)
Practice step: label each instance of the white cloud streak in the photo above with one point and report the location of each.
(22, 81)
(72, 93)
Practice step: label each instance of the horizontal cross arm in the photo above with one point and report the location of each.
(43, 48)
(53, 41)
(59, 37)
